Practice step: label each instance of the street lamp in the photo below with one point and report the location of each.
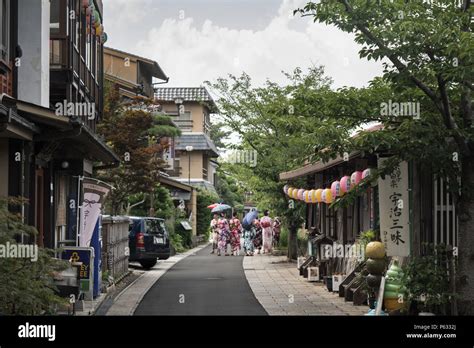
(189, 149)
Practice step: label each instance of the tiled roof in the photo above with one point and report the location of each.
(199, 141)
(185, 93)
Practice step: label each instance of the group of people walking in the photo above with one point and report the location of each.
(259, 236)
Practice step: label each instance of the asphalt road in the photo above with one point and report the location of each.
(202, 284)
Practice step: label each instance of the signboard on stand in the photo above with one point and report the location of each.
(86, 273)
(394, 207)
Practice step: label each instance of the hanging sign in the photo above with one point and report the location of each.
(394, 211)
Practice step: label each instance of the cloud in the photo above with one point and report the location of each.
(190, 54)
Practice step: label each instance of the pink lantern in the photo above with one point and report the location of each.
(300, 194)
(366, 173)
(336, 189)
(356, 177)
(345, 184)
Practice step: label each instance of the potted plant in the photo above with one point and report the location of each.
(427, 283)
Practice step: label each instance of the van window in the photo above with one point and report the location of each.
(154, 226)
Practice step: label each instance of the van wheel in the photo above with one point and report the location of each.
(147, 264)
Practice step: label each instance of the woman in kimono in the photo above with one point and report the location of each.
(235, 228)
(267, 232)
(276, 231)
(224, 235)
(249, 235)
(214, 232)
(257, 241)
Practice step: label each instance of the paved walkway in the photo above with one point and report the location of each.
(282, 291)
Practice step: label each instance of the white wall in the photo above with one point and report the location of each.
(33, 37)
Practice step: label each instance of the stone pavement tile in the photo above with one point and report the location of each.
(276, 282)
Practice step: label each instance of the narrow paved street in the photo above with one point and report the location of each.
(202, 284)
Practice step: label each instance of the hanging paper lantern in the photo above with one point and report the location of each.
(313, 196)
(96, 17)
(88, 12)
(290, 192)
(319, 195)
(85, 3)
(336, 189)
(310, 196)
(300, 194)
(356, 177)
(285, 189)
(306, 196)
(366, 173)
(345, 184)
(104, 37)
(327, 196)
(99, 30)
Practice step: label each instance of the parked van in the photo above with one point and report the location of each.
(148, 240)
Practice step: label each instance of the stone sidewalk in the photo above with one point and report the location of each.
(282, 291)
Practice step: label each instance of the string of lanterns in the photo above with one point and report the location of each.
(327, 195)
(93, 16)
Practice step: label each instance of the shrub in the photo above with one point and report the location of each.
(26, 287)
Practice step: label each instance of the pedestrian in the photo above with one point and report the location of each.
(235, 228)
(276, 231)
(257, 240)
(249, 235)
(224, 235)
(267, 232)
(214, 232)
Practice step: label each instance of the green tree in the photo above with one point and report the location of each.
(204, 216)
(427, 50)
(139, 135)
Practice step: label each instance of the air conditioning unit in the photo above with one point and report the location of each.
(313, 274)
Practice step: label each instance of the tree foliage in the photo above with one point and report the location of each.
(139, 135)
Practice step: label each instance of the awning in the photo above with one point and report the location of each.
(315, 167)
(13, 125)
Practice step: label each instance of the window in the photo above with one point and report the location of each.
(54, 22)
(4, 28)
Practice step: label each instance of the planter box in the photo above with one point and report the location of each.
(337, 281)
(313, 274)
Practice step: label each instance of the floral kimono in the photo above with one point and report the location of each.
(276, 231)
(249, 235)
(224, 236)
(257, 241)
(267, 233)
(214, 234)
(235, 228)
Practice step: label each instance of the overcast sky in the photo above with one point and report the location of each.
(198, 40)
